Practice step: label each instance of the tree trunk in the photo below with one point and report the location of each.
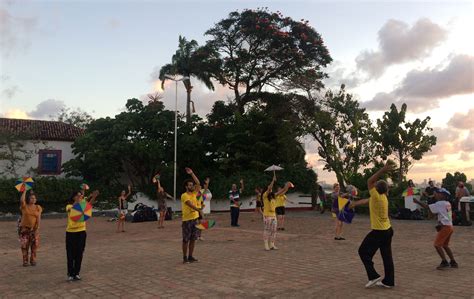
(188, 86)
(188, 106)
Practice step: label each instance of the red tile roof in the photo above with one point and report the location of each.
(40, 129)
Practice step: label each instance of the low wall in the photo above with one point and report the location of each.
(300, 200)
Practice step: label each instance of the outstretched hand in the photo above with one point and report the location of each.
(188, 170)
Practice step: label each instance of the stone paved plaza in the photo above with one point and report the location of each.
(146, 262)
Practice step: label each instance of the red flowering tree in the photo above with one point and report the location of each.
(259, 48)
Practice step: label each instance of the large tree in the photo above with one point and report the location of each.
(405, 141)
(341, 129)
(190, 60)
(259, 48)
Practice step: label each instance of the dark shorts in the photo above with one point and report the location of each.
(280, 210)
(200, 217)
(190, 232)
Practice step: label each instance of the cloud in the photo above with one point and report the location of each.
(468, 144)
(400, 43)
(9, 90)
(14, 32)
(113, 23)
(380, 102)
(338, 74)
(462, 121)
(455, 79)
(422, 90)
(16, 113)
(47, 109)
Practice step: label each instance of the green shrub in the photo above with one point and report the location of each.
(52, 194)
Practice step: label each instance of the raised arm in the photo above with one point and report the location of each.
(93, 197)
(270, 187)
(206, 183)
(285, 189)
(195, 179)
(23, 199)
(129, 191)
(241, 185)
(373, 179)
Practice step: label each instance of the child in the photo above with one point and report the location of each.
(29, 227)
(76, 236)
(122, 208)
(442, 208)
(200, 203)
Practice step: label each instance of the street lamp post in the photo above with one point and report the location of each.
(176, 80)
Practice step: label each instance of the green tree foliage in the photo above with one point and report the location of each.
(259, 48)
(76, 117)
(136, 143)
(139, 142)
(342, 130)
(13, 153)
(191, 60)
(405, 141)
(451, 181)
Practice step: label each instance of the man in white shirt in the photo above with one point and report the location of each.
(442, 208)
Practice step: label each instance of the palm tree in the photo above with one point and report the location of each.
(190, 60)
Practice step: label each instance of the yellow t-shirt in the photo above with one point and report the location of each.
(30, 215)
(280, 200)
(378, 206)
(268, 206)
(73, 226)
(187, 212)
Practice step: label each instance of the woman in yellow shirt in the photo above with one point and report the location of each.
(29, 227)
(269, 215)
(76, 236)
(281, 200)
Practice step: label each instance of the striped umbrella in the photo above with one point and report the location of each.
(24, 183)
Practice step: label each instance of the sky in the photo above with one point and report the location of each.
(94, 55)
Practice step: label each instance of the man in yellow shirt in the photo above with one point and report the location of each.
(190, 214)
(381, 235)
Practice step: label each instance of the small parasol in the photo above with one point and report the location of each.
(84, 186)
(410, 191)
(274, 168)
(24, 184)
(81, 211)
(206, 224)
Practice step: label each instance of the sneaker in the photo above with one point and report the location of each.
(192, 259)
(273, 247)
(453, 264)
(443, 265)
(383, 285)
(70, 279)
(25, 264)
(185, 260)
(372, 282)
(33, 263)
(77, 277)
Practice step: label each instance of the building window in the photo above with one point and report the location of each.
(49, 162)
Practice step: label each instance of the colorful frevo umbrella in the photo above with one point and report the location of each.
(81, 211)
(24, 183)
(206, 224)
(345, 213)
(410, 191)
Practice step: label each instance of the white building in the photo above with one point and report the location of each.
(42, 146)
